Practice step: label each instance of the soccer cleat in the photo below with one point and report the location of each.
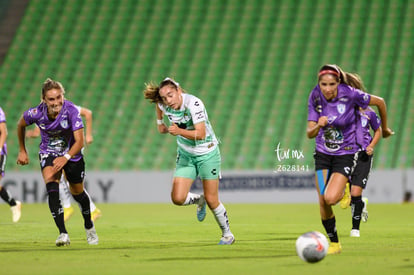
(91, 236)
(346, 199)
(354, 233)
(63, 240)
(364, 214)
(201, 209)
(16, 211)
(67, 212)
(96, 214)
(334, 248)
(227, 240)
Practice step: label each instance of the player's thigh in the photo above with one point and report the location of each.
(48, 172)
(50, 175)
(335, 188)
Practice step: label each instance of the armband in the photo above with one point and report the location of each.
(160, 121)
(67, 156)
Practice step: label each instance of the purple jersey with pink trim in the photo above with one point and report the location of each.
(56, 135)
(367, 119)
(3, 119)
(338, 137)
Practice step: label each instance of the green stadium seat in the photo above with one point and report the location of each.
(253, 63)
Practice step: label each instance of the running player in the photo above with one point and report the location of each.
(64, 192)
(61, 130)
(15, 206)
(198, 153)
(366, 119)
(332, 109)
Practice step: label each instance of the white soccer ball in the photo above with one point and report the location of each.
(312, 246)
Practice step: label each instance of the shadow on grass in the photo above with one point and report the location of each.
(210, 258)
(80, 245)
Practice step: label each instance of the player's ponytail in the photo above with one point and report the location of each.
(152, 92)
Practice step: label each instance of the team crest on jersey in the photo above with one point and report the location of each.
(341, 108)
(64, 123)
(364, 121)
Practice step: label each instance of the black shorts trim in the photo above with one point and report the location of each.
(343, 164)
(74, 170)
(362, 170)
(3, 159)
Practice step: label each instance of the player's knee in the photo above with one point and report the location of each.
(177, 199)
(212, 200)
(331, 199)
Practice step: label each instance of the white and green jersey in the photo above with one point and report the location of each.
(191, 112)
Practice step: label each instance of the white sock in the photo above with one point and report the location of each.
(64, 193)
(220, 214)
(191, 199)
(92, 205)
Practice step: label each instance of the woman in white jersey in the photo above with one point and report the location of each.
(198, 153)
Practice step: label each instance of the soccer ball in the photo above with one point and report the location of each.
(312, 246)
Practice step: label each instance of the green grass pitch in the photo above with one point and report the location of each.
(167, 239)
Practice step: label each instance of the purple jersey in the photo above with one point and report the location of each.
(338, 137)
(366, 119)
(56, 135)
(3, 119)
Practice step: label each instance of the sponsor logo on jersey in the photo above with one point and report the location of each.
(347, 170)
(331, 119)
(318, 108)
(32, 112)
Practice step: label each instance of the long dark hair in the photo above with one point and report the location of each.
(351, 79)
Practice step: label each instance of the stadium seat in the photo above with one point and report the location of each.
(253, 63)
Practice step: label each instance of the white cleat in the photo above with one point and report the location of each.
(364, 214)
(63, 240)
(91, 236)
(227, 240)
(354, 233)
(16, 211)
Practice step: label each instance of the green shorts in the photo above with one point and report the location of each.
(206, 166)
